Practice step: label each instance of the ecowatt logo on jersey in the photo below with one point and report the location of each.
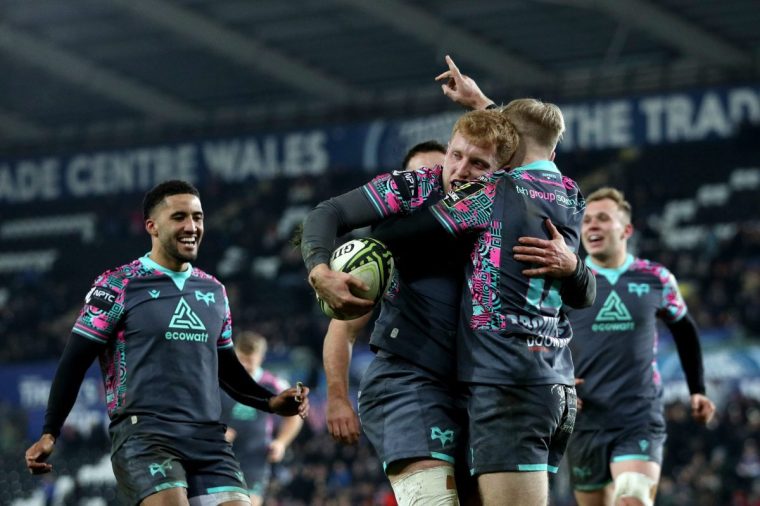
(613, 316)
(184, 318)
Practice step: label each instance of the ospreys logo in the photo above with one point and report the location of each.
(185, 318)
(613, 316)
(443, 436)
(160, 468)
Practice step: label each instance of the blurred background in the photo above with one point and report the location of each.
(272, 106)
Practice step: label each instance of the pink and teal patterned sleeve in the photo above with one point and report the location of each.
(467, 208)
(672, 307)
(103, 308)
(225, 338)
(402, 192)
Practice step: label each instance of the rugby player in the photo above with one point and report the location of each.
(615, 453)
(409, 403)
(162, 331)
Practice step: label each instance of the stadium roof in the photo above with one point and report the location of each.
(97, 71)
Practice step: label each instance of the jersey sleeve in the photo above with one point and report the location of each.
(401, 192)
(467, 208)
(672, 306)
(225, 337)
(103, 308)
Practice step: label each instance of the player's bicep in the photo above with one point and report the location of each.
(672, 306)
(466, 208)
(225, 336)
(102, 310)
(401, 192)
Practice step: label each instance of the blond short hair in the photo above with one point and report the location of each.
(249, 342)
(486, 129)
(537, 121)
(614, 195)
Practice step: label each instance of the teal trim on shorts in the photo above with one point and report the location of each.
(442, 456)
(625, 458)
(216, 490)
(167, 486)
(385, 466)
(537, 467)
(591, 488)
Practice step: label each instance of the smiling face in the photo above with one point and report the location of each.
(466, 161)
(176, 229)
(605, 232)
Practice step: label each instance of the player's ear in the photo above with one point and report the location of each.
(150, 227)
(627, 231)
(552, 156)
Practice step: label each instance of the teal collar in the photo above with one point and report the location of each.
(179, 278)
(540, 165)
(612, 274)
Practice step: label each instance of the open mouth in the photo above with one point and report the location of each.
(594, 239)
(189, 241)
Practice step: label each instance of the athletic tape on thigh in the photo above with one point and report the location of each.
(434, 486)
(218, 498)
(635, 485)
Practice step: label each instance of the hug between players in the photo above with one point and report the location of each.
(498, 349)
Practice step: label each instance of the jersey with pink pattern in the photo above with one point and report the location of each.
(160, 332)
(401, 192)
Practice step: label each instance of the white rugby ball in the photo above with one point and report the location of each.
(367, 259)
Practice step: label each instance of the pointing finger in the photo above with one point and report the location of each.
(453, 68)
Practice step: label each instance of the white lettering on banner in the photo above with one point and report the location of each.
(34, 391)
(129, 171)
(237, 160)
(601, 125)
(31, 180)
(680, 118)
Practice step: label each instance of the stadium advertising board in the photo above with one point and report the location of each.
(604, 124)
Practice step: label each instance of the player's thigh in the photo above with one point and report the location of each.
(257, 472)
(409, 414)
(214, 474)
(639, 446)
(169, 497)
(147, 465)
(588, 458)
(519, 428)
(521, 488)
(600, 497)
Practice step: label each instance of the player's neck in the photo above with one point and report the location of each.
(168, 262)
(617, 259)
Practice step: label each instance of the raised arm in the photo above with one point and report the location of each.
(462, 89)
(342, 422)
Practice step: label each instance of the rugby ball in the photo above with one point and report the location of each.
(367, 259)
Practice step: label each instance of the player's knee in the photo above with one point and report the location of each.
(434, 486)
(634, 489)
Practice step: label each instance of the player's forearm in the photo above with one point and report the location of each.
(336, 358)
(289, 429)
(331, 219)
(76, 359)
(234, 379)
(686, 337)
(579, 289)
